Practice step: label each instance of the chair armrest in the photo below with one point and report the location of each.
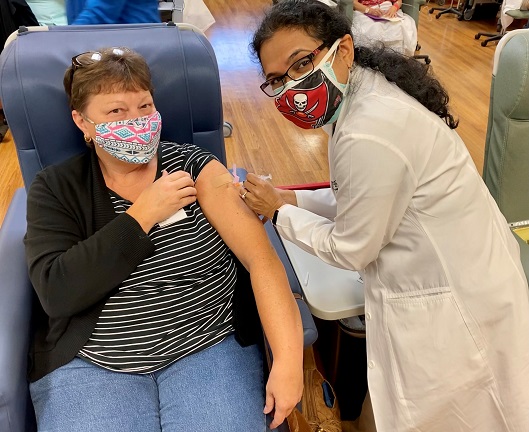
(412, 8)
(310, 333)
(15, 316)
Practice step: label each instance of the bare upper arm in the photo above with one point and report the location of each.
(239, 227)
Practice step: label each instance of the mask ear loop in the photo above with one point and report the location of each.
(331, 62)
(334, 55)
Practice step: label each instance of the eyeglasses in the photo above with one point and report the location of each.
(298, 70)
(90, 57)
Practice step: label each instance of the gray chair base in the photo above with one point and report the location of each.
(490, 37)
(443, 11)
(515, 14)
(424, 57)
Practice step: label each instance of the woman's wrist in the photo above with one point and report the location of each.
(366, 10)
(143, 219)
(396, 5)
(289, 196)
(275, 209)
(275, 213)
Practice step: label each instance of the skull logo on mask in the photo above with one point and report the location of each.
(301, 101)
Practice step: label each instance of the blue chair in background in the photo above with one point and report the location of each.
(188, 96)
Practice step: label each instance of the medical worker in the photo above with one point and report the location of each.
(446, 299)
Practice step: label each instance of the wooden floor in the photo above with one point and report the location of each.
(265, 143)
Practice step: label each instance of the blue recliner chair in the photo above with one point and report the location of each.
(188, 96)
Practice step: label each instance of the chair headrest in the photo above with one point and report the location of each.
(510, 74)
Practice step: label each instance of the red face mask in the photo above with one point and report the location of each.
(315, 100)
(310, 108)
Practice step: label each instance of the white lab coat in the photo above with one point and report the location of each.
(446, 299)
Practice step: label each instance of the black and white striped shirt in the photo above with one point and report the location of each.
(178, 301)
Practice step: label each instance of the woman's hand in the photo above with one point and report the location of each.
(261, 196)
(163, 198)
(283, 390)
(375, 12)
(391, 12)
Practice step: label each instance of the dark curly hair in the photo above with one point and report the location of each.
(329, 24)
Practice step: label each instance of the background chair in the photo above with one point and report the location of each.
(506, 165)
(458, 10)
(413, 9)
(186, 79)
(514, 14)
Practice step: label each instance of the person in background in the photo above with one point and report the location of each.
(80, 12)
(134, 262)
(49, 12)
(383, 21)
(373, 7)
(446, 297)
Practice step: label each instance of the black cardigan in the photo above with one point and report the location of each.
(71, 201)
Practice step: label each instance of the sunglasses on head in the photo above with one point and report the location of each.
(90, 57)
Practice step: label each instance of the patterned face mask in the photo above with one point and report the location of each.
(133, 141)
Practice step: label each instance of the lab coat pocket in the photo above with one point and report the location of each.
(432, 346)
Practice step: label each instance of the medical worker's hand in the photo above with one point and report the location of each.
(261, 196)
(283, 390)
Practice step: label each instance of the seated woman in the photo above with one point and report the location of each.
(383, 21)
(129, 248)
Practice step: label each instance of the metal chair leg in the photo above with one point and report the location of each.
(490, 37)
(451, 9)
(424, 57)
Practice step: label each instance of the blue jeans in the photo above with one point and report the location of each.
(219, 389)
